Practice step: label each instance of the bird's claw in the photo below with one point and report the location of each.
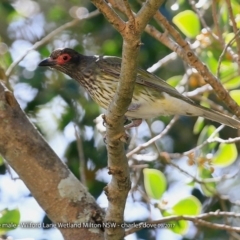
(104, 120)
(123, 137)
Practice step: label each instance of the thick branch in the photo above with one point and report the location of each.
(59, 193)
(117, 189)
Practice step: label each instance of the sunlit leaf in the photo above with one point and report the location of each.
(198, 125)
(211, 61)
(229, 37)
(174, 81)
(154, 182)
(237, 19)
(180, 227)
(188, 206)
(226, 155)
(233, 83)
(235, 94)
(9, 220)
(188, 22)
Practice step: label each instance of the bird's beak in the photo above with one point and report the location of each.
(48, 62)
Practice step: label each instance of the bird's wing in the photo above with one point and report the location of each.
(152, 81)
(112, 65)
(109, 65)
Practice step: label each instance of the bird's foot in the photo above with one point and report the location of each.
(104, 120)
(134, 123)
(123, 137)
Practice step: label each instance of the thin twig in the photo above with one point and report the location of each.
(217, 37)
(149, 8)
(110, 15)
(215, 16)
(205, 180)
(235, 30)
(226, 219)
(170, 57)
(207, 141)
(224, 51)
(48, 38)
(199, 91)
(200, 15)
(197, 220)
(152, 140)
(128, 11)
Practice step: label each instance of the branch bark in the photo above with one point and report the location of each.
(117, 189)
(57, 190)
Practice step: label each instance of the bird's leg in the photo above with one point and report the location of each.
(134, 123)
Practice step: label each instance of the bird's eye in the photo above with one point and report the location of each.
(65, 58)
(62, 59)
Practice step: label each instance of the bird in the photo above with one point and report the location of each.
(152, 96)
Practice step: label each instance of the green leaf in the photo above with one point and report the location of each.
(226, 155)
(235, 94)
(188, 206)
(204, 135)
(188, 22)
(229, 37)
(174, 81)
(155, 183)
(9, 220)
(211, 61)
(233, 83)
(180, 227)
(198, 125)
(209, 189)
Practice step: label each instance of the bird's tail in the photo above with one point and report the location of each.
(218, 117)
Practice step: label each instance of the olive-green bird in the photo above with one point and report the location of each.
(152, 96)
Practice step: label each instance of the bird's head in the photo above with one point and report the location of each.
(63, 59)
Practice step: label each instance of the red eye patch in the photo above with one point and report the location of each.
(62, 59)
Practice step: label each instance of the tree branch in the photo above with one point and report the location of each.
(117, 189)
(235, 29)
(55, 188)
(110, 15)
(146, 12)
(192, 60)
(197, 220)
(154, 139)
